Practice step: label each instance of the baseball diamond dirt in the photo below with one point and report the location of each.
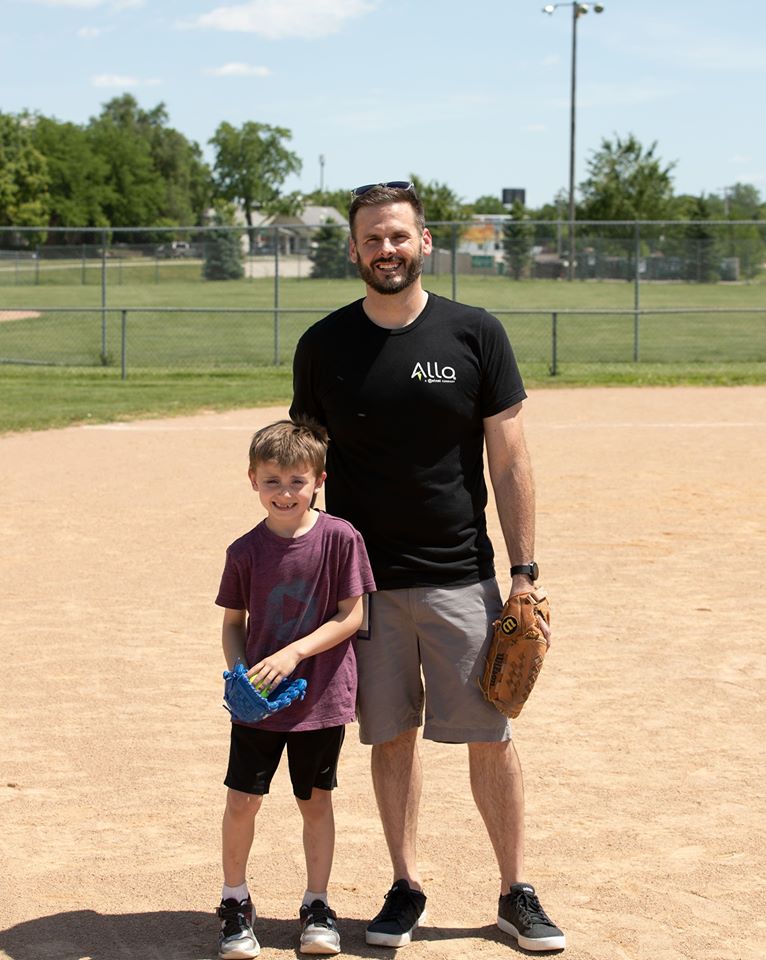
(643, 744)
(8, 315)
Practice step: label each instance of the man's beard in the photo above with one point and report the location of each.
(396, 282)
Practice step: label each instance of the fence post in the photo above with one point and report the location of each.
(637, 294)
(554, 344)
(103, 296)
(276, 296)
(454, 260)
(123, 349)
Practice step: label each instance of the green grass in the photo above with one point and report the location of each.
(182, 362)
(187, 288)
(37, 399)
(41, 398)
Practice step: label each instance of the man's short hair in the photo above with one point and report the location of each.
(378, 195)
(289, 443)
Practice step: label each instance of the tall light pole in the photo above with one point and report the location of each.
(578, 10)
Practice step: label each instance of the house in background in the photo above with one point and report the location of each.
(295, 231)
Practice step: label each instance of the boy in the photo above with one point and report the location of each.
(292, 591)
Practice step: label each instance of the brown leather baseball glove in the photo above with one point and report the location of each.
(516, 653)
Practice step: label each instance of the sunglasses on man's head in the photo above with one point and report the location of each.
(394, 184)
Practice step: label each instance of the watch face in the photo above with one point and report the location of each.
(535, 571)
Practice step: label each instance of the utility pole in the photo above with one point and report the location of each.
(578, 10)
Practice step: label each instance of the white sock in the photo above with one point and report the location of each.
(310, 896)
(239, 893)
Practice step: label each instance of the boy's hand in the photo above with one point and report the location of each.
(267, 673)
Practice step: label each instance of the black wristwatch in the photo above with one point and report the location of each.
(530, 569)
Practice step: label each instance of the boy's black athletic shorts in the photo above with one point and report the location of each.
(312, 757)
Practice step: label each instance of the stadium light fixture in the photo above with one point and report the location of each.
(578, 10)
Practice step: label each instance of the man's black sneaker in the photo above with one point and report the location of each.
(403, 910)
(521, 914)
(319, 932)
(236, 940)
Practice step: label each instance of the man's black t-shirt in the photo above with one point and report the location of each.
(404, 411)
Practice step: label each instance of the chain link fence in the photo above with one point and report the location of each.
(234, 338)
(141, 299)
(493, 245)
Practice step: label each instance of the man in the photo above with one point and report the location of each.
(411, 387)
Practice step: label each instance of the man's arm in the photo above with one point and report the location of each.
(510, 471)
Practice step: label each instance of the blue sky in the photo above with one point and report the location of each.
(471, 94)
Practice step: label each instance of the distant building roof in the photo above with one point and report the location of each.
(316, 216)
(310, 216)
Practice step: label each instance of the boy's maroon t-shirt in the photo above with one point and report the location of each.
(289, 587)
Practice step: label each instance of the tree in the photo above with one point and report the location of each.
(329, 257)
(742, 202)
(250, 167)
(223, 255)
(77, 175)
(154, 175)
(186, 177)
(702, 259)
(339, 200)
(626, 182)
(134, 190)
(745, 243)
(442, 205)
(518, 238)
(486, 204)
(551, 217)
(24, 176)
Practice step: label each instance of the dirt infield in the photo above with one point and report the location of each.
(7, 315)
(643, 745)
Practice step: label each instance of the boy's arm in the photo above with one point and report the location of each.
(274, 668)
(234, 636)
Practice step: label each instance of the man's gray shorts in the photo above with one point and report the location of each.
(426, 651)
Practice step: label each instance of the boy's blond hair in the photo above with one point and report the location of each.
(290, 442)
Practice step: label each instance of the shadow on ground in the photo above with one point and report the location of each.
(186, 935)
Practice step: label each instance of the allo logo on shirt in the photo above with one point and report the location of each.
(433, 373)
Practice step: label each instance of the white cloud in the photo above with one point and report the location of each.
(123, 80)
(90, 33)
(237, 70)
(114, 80)
(276, 19)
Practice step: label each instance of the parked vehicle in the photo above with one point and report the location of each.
(178, 248)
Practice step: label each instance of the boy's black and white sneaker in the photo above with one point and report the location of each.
(403, 910)
(236, 941)
(319, 930)
(520, 913)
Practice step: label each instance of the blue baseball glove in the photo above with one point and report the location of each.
(244, 702)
